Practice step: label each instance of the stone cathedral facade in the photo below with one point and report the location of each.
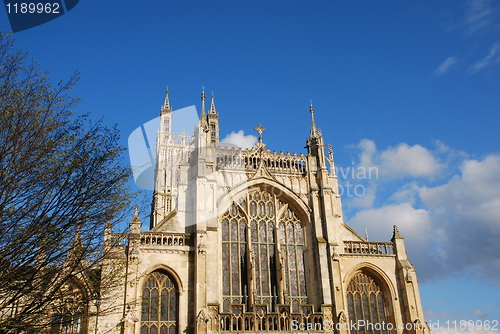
(252, 241)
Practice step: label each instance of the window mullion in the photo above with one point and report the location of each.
(379, 320)
(159, 306)
(287, 259)
(268, 253)
(259, 264)
(230, 251)
(278, 255)
(294, 247)
(251, 268)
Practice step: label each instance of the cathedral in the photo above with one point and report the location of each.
(252, 241)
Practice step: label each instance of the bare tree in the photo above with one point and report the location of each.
(62, 178)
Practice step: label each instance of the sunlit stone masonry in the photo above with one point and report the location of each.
(252, 241)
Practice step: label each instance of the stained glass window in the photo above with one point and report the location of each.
(66, 323)
(274, 249)
(366, 302)
(235, 282)
(159, 305)
(70, 309)
(292, 247)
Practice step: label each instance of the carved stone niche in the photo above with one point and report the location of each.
(341, 318)
(306, 310)
(201, 322)
(260, 310)
(284, 310)
(202, 317)
(237, 310)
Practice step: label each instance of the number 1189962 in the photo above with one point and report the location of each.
(32, 8)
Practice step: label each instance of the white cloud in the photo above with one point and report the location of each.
(456, 322)
(410, 221)
(408, 160)
(445, 66)
(239, 139)
(362, 196)
(492, 58)
(467, 212)
(368, 150)
(408, 193)
(475, 193)
(479, 16)
(400, 161)
(449, 211)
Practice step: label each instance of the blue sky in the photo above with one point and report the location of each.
(408, 87)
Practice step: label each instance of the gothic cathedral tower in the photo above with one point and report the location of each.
(249, 241)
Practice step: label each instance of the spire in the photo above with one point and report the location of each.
(212, 111)
(213, 122)
(203, 116)
(314, 132)
(203, 101)
(166, 104)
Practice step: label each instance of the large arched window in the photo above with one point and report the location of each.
(159, 305)
(262, 253)
(70, 308)
(366, 302)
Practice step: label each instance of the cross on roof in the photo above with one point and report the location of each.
(259, 130)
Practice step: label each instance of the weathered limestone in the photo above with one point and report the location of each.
(198, 182)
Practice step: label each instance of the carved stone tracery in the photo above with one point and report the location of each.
(263, 264)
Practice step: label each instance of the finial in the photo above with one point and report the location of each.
(330, 151)
(396, 234)
(203, 93)
(166, 103)
(259, 130)
(136, 211)
(212, 111)
(203, 115)
(203, 101)
(313, 124)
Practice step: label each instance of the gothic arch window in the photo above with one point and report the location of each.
(70, 309)
(366, 302)
(160, 298)
(262, 253)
